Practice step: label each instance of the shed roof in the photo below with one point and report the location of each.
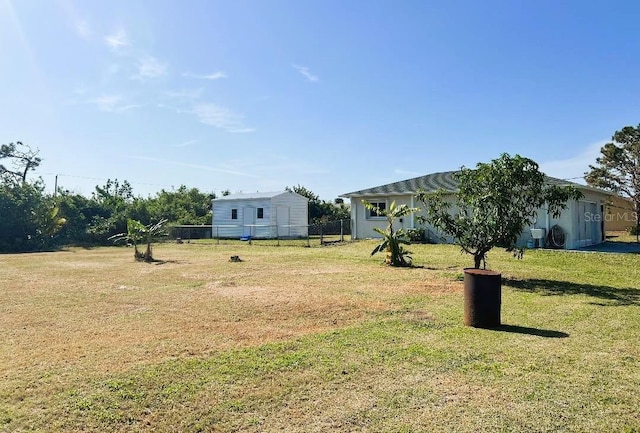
(444, 180)
(256, 195)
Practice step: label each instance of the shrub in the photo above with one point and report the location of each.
(416, 235)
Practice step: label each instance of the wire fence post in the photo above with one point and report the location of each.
(341, 231)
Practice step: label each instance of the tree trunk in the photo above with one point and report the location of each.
(147, 255)
(136, 253)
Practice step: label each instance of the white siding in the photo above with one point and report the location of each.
(247, 212)
(298, 214)
(581, 221)
(364, 224)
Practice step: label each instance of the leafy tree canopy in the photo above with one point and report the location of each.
(496, 201)
(182, 206)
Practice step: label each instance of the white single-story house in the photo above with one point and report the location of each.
(283, 214)
(581, 223)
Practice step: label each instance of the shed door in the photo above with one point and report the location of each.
(248, 218)
(283, 222)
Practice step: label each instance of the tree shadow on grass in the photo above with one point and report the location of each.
(607, 296)
(548, 333)
(161, 262)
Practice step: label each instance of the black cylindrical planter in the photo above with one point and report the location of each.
(482, 298)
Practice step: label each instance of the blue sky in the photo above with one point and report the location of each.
(334, 95)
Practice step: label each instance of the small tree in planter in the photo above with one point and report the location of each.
(496, 201)
(392, 240)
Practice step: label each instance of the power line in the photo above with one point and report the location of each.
(103, 179)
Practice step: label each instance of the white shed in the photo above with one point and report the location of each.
(283, 214)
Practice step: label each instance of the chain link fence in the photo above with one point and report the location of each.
(330, 232)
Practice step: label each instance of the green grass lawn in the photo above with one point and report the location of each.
(315, 339)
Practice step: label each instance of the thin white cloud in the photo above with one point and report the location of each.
(305, 72)
(185, 143)
(149, 67)
(117, 40)
(174, 108)
(220, 117)
(218, 169)
(213, 76)
(402, 172)
(185, 94)
(575, 167)
(112, 103)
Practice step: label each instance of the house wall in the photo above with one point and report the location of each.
(298, 214)
(582, 222)
(362, 225)
(585, 220)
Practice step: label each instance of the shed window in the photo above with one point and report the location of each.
(234, 214)
(260, 213)
(382, 205)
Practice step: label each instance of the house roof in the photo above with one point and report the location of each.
(428, 183)
(255, 195)
(444, 180)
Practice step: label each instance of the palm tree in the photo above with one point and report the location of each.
(393, 240)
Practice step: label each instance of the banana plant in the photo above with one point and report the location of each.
(138, 233)
(393, 240)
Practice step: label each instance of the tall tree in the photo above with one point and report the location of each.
(617, 169)
(22, 159)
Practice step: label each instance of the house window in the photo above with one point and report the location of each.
(234, 214)
(260, 213)
(382, 205)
